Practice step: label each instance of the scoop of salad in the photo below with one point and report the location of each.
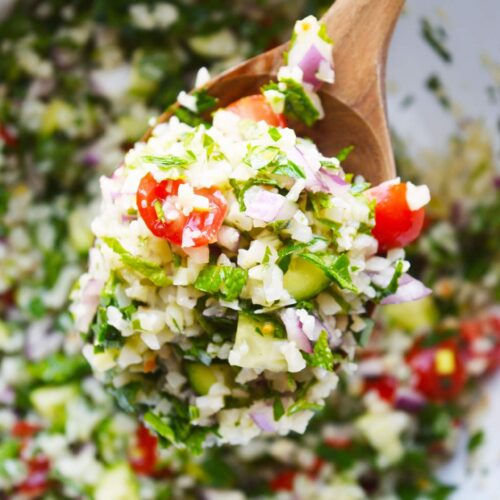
(235, 266)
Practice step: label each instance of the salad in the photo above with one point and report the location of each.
(45, 239)
(235, 266)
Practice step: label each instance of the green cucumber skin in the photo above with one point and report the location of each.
(303, 280)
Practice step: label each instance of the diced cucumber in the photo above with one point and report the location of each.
(411, 316)
(303, 279)
(117, 483)
(202, 377)
(51, 402)
(253, 350)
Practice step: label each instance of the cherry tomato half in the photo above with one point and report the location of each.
(144, 455)
(438, 371)
(256, 108)
(193, 230)
(395, 224)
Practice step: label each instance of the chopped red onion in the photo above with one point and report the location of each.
(88, 304)
(40, 342)
(264, 205)
(333, 183)
(7, 396)
(309, 64)
(409, 289)
(294, 329)
(409, 400)
(263, 418)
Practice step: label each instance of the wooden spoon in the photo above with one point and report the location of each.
(355, 104)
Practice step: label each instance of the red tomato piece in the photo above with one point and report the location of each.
(438, 371)
(37, 481)
(385, 386)
(481, 340)
(395, 224)
(24, 429)
(7, 136)
(283, 481)
(198, 228)
(144, 455)
(256, 108)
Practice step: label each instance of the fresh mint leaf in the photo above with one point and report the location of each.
(153, 272)
(337, 272)
(225, 281)
(322, 355)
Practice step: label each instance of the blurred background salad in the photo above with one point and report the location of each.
(79, 82)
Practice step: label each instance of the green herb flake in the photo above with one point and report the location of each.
(475, 440)
(435, 37)
(167, 162)
(290, 169)
(194, 412)
(322, 355)
(159, 210)
(344, 153)
(323, 33)
(303, 405)
(153, 272)
(274, 133)
(278, 408)
(392, 287)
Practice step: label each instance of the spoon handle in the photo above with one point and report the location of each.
(361, 31)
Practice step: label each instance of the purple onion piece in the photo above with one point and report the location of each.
(263, 418)
(294, 329)
(409, 401)
(409, 289)
(310, 65)
(264, 205)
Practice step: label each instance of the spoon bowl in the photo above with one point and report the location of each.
(355, 111)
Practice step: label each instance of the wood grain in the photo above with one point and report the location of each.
(355, 109)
